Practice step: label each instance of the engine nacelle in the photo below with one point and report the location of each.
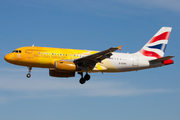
(65, 66)
(55, 73)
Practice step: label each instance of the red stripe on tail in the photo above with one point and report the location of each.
(149, 53)
(163, 36)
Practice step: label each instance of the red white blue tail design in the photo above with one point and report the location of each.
(157, 44)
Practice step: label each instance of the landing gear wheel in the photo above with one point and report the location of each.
(29, 72)
(87, 77)
(28, 75)
(82, 81)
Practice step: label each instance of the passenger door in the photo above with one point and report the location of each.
(30, 53)
(135, 61)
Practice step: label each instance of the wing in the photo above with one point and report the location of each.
(88, 62)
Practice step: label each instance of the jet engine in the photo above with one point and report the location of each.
(63, 66)
(55, 73)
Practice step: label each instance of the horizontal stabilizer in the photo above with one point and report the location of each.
(162, 59)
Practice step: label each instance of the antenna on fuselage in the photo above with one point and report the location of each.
(33, 45)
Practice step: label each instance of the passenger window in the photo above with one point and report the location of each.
(19, 51)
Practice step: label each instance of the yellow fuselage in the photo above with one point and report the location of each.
(45, 57)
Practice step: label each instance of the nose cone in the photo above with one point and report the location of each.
(6, 57)
(9, 58)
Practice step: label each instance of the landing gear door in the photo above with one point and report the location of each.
(135, 61)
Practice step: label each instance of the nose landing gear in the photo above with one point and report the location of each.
(29, 72)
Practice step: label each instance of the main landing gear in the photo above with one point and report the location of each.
(29, 72)
(85, 78)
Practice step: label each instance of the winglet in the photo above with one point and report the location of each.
(119, 47)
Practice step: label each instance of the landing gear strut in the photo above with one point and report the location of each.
(85, 78)
(29, 72)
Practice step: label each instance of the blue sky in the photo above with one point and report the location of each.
(93, 25)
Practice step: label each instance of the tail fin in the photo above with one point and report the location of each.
(157, 44)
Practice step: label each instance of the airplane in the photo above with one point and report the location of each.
(63, 62)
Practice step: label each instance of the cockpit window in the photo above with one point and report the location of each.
(16, 51)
